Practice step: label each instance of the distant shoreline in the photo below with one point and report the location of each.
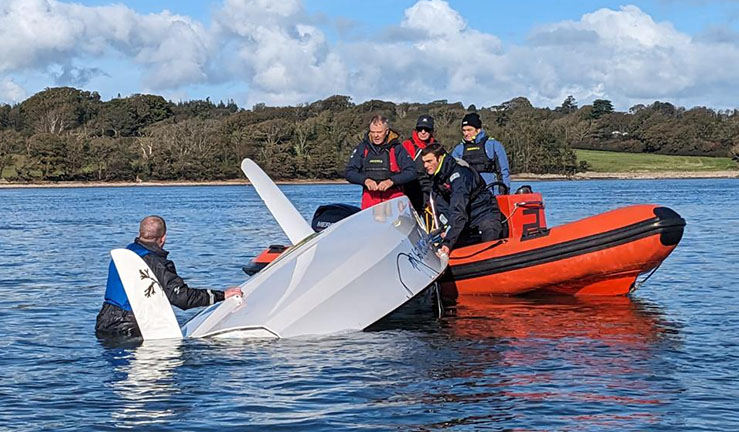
(590, 175)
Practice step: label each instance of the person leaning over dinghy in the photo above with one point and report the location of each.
(460, 196)
(116, 318)
(380, 164)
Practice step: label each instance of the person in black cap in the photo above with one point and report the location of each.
(418, 191)
(484, 154)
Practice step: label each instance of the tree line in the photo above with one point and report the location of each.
(69, 134)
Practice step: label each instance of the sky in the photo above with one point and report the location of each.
(289, 52)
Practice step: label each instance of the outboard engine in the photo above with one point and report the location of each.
(329, 214)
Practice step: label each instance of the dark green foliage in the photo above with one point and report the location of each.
(48, 152)
(333, 104)
(4, 116)
(658, 128)
(55, 111)
(203, 109)
(111, 159)
(125, 117)
(568, 105)
(11, 143)
(533, 141)
(69, 134)
(601, 107)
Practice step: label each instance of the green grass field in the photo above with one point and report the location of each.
(9, 170)
(605, 161)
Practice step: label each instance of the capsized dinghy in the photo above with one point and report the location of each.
(324, 284)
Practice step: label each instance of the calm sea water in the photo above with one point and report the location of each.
(665, 359)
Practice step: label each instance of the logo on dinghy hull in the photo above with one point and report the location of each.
(150, 290)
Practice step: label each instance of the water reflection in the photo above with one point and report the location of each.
(516, 354)
(144, 381)
(617, 321)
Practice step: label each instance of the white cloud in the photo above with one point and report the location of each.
(631, 27)
(434, 17)
(284, 60)
(10, 91)
(283, 55)
(36, 34)
(624, 56)
(440, 59)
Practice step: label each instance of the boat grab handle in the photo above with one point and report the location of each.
(524, 204)
(529, 204)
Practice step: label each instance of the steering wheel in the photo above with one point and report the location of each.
(503, 187)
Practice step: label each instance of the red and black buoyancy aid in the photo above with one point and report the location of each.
(382, 163)
(414, 145)
(475, 155)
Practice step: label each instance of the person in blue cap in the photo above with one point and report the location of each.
(483, 153)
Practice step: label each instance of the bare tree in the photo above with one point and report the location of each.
(54, 121)
(303, 132)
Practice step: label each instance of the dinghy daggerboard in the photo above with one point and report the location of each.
(290, 220)
(150, 305)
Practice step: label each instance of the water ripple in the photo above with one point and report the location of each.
(665, 359)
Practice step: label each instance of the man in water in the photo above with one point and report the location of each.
(380, 164)
(461, 198)
(484, 154)
(116, 317)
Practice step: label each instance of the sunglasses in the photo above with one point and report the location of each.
(424, 129)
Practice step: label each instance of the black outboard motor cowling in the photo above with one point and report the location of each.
(328, 214)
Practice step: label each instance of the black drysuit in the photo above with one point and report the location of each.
(116, 318)
(461, 198)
